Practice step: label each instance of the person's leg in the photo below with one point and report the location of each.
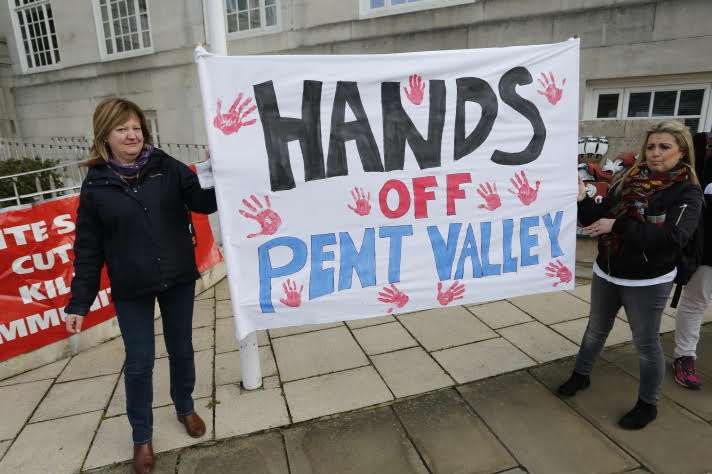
(176, 305)
(644, 306)
(605, 303)
(135, 319)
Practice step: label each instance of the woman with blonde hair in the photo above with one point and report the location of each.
(649, 216)
(134, 215)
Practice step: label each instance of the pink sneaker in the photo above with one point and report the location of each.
(685, 374)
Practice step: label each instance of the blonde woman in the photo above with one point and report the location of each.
(649, 216)
(134, 216)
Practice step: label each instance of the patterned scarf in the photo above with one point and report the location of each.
(131, 170)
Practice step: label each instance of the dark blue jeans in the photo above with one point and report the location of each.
(644, 308)
(135, 318)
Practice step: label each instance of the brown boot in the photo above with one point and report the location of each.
(194, 425)
(143, 459)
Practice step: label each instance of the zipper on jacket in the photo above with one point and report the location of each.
(684, 208)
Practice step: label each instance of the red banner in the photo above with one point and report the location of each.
(36, 259)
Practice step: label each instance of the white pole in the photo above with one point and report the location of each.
(249, 352)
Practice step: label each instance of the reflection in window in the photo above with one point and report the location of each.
(639, 104)
(607, 106)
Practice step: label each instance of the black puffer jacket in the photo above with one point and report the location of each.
(141, 232)
(648, 249)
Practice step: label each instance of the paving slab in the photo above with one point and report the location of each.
(366, 442)
(362, 323)
(698, 402)
(582, 291)
(161, 383)
(271, 382)
(45, 372)
(530, 421)
(113, 444)
(316, 353)
(499, 314)
(335, 393)
(482, 359)
(550, 308)
(245, 411)
(442, 328)
(228, 370)
(222, 292)
(574, 330)
(382, 338)
(223, 309)
(410, 371)
(3, 447)
(78, 396)
(703, 364)
(165, 464)
(207, 294)
(17, 402)
(104, 359)
(203, 313)
(225, 340)
(539, 342)
(202, 340)
(261, 454)
(292, 330)
(450, 437)
(677, 442)
(55, 446)
(667, 324)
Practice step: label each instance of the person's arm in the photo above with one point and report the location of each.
(195, 197)
(589, 211)
(681, 220)
(88, 261)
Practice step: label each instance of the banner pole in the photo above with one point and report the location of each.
(249, 352)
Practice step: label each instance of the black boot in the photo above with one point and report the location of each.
(574, 384)
(641, 414)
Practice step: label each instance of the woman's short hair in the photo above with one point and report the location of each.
(682, 136)
(109, 114)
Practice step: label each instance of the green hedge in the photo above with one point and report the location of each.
(26, 184)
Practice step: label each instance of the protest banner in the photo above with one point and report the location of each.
(362, 185)
(36, 268)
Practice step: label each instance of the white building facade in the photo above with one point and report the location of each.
(640, 59)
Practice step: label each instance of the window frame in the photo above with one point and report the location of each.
(101, 40)
(705, 116)
(262, 30)
(366, 12)
(19, 43)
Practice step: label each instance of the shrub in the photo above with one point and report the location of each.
(26, 184)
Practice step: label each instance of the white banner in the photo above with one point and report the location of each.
(356, 186)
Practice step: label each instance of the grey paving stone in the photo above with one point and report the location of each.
(582, 291)
(384, 338)
(362, 323)
(574, 330)
(240, 412)
(223, 309)
(202, 340)
(165, 464)
(225, 340)
(410, 371)
(203, 313)
(450, 438)
(17, 402)
(261, 454)
(292, 330)
(104, 359)
(499, 314)
(228, 370)
(335, 393)
(367, 442)
(441, 328)
(221, 290)
(316, 353)
(550, 308)
(698, 402)
(48, 371)
(207, 294)
(675, 443)
(55, 446)
(482, 359)
(530, 421)
(78, 396)
(3, 447)
(539, 342)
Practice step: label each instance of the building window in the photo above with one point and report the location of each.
(124, 27)
(35, 33)
(251, 15)
(152, 123)
(685, 103)
(371, 8)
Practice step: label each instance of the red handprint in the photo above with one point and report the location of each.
(268, 220)
(391, 294)
(551, 92)
(556, 269)
(524, 191)
(417, 87)
(293, 297)
(233, 120)
(489, 194)
(362, 201)
(454, 292)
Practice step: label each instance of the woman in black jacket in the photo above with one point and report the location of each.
(649, 216)
(134, 215)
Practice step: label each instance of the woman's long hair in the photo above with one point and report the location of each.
(109, 114)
